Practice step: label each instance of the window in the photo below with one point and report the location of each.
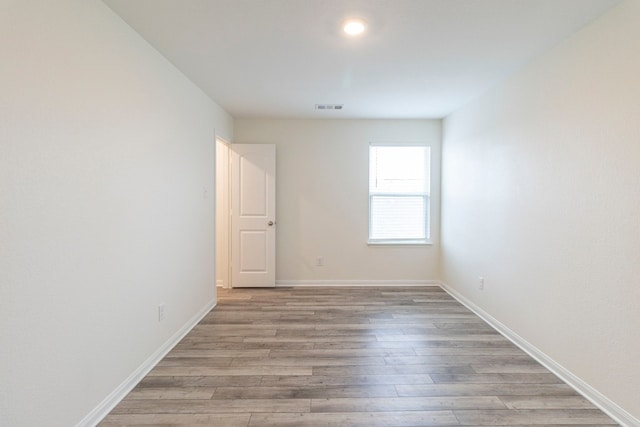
(399, 190)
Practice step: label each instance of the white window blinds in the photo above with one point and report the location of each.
(399, 185)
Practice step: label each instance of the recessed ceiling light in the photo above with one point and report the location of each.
(354, 26)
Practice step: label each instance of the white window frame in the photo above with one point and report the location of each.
(426, 196)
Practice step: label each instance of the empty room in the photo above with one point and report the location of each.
(319, 212)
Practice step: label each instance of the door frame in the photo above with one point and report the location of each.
(223, 213)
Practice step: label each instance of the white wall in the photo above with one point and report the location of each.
(322, 198)
(541, 196)
(106, 151)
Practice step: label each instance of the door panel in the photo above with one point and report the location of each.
(253, 251)
(253, 185)
(253, 211)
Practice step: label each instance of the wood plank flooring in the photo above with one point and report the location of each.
(376, 356)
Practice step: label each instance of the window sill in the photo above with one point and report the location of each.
(399, 243)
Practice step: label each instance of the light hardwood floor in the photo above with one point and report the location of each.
(379, 356)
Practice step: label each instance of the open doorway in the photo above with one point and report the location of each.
(222, 214)
(245, 184)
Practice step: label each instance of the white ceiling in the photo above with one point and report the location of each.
(418, 59)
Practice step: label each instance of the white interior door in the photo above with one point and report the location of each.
(253, 215)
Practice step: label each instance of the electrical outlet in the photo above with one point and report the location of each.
(160, 312)
(320, 261)
(481, 283)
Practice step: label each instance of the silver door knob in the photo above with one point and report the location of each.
(270, 223)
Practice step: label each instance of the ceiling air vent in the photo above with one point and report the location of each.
(328, 106)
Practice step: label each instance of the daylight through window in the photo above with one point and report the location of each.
(399, 190)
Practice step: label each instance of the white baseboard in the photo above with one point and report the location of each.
(220, 283)
(364, 283)
(598, 399)
(110, 402)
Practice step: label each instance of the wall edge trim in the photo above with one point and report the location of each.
(102, 410)
(603, 403)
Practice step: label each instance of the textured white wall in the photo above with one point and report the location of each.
(541, 196)
(105, 153)
(322, 198)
